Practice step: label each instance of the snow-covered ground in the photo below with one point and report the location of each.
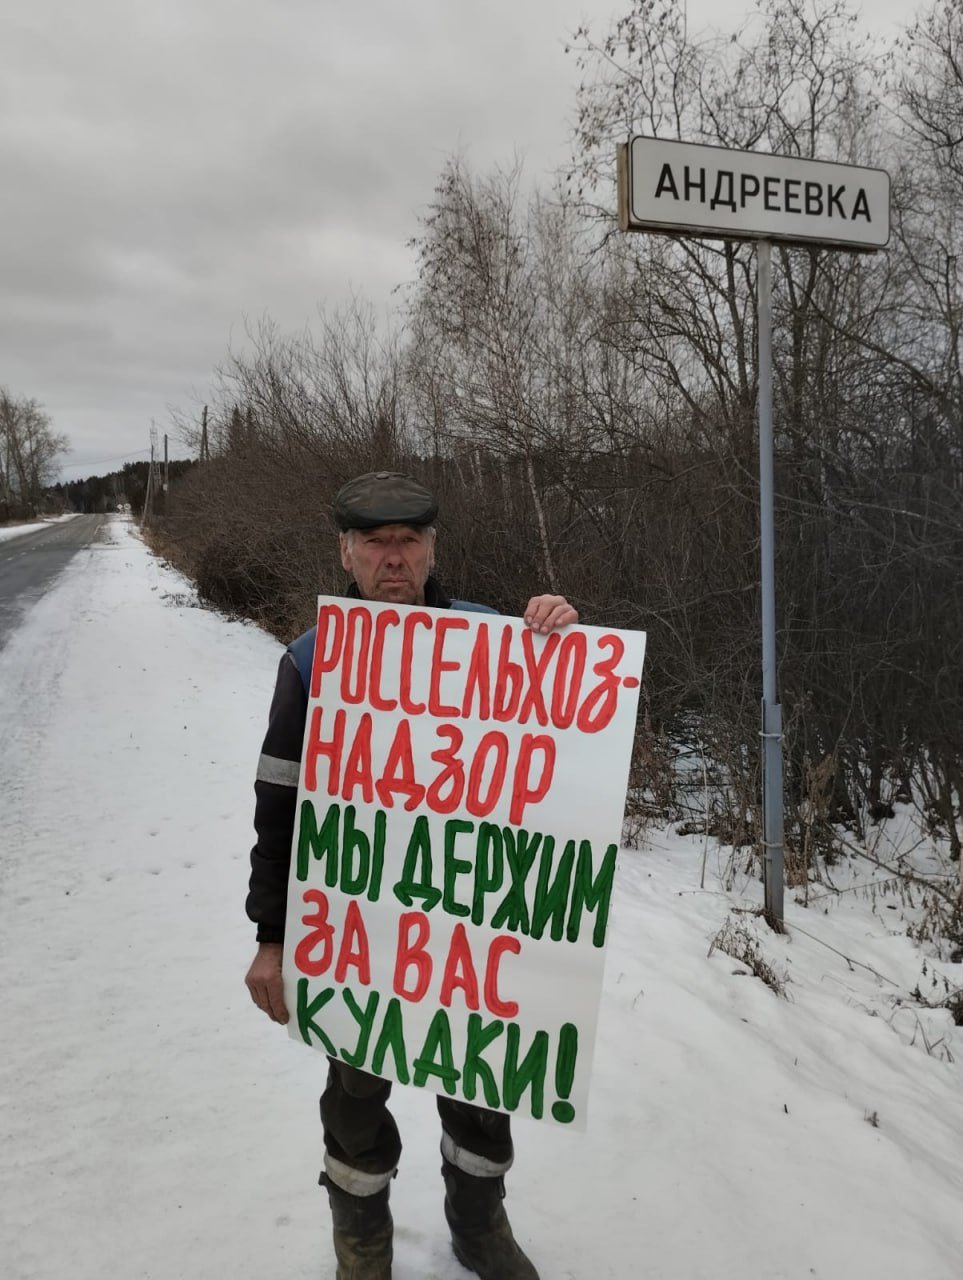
(155, 1124)
(8, 531)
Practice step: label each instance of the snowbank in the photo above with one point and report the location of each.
(8, 531)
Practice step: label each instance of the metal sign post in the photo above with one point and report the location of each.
(772, 829)
(687, 189)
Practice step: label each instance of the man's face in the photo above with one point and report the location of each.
(391, 563)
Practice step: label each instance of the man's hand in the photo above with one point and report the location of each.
(547, 613)
(264, 981)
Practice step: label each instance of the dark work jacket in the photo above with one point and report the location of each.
(279, 767)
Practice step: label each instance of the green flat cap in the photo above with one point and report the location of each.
(383, 497)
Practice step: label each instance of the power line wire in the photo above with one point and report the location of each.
(96, 462)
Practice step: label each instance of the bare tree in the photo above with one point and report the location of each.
(291, 418)
(30, 451)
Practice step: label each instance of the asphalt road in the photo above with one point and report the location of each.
(29, 563)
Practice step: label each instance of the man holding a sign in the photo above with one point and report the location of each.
(387, 544)
(439, 801)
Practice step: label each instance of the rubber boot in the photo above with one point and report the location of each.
(481, 1235)
(362, 1234)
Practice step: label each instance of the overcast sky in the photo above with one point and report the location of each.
(169, 168)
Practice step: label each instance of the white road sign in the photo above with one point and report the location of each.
(686, 188)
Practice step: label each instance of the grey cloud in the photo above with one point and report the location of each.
(168, 168)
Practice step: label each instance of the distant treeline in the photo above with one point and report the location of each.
(118, 489)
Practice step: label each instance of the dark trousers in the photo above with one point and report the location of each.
(360, 1131)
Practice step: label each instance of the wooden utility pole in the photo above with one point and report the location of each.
(145, 518)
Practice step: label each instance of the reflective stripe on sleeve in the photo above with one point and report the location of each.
(283, 773)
